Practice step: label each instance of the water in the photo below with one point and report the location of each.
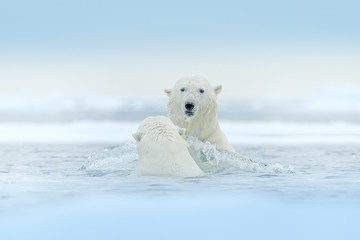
(34, 173)
(47, 189)
(74, 179)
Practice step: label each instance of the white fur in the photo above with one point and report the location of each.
(204, 123)
(162, 150)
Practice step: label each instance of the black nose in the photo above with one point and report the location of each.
(189, 106)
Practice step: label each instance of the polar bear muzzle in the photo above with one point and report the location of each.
(190, 108)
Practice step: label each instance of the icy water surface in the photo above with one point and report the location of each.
(292, 180)
(38, 173)
(67, 171)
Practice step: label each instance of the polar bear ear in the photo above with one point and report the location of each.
(217, 89)
(181, 131)
(137, 136)
(168, 92)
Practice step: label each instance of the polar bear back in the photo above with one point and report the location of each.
(162, 150)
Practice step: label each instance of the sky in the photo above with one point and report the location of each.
(255, 49)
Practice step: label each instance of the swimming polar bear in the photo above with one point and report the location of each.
(162, 150)
(192, 105)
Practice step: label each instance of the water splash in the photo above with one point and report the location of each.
(212, 160)
(117, 160)
(121, 160)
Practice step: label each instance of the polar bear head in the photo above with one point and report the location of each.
(192, 96)
(156, 128)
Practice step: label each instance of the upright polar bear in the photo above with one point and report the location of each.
(192, 105)
(162, 150)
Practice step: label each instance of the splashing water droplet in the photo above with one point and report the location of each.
(121, 160)
(213, 160)
(117, 160)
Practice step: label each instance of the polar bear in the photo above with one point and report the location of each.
(192, 105)
(162, 150)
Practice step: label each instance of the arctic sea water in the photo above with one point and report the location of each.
(67, 172)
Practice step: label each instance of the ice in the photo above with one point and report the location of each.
(328, 102)
(238, 132)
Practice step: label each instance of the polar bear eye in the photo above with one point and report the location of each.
(201, 90)
(183, 89)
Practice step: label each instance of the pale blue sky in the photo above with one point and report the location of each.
(289, 47)
(158, 24)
